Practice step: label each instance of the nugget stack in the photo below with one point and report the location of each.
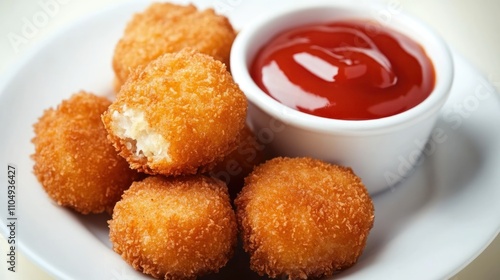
(177, 114)
(153, 156)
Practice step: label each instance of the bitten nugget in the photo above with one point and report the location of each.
(303, 218)
(74, 161)
(180, 115)
(175, 227)
(166, 27)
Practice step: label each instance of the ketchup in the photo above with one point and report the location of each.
(344, 70)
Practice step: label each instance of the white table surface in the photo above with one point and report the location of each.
(470, 27)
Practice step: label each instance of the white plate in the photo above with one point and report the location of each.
(428, 227)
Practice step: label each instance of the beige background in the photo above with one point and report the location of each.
(470, 27)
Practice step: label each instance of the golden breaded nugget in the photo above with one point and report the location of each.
(175, 227)
(303, 218)
(74, 161)
(166, 27)
(180, 115)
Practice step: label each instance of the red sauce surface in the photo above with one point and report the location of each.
(344, 70)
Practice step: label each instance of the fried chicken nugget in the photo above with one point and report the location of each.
(166, 27)
(180, 115)
(74, 161)
(175, 227)
(303, 218)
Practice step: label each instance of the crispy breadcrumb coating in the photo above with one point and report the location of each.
(303, 218)
(74, 161)
(166, 27)
(175, 227)
(180, 115)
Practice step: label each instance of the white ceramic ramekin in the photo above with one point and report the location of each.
(381, 151)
